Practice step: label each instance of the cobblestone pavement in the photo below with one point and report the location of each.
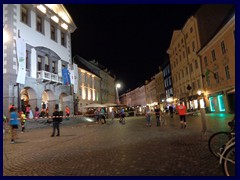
(90, 149)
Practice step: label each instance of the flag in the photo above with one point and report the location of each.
(21, 57)
(65, 76)
(75, 68)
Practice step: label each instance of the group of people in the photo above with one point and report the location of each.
(16, 118)
(160, 116)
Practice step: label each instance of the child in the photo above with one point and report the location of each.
(23, 121)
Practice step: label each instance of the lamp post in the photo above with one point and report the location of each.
(117, 95)
(202, 111)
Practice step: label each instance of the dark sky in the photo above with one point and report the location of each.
(130, 40)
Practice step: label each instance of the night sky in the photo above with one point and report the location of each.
(130, 40)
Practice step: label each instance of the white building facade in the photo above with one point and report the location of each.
(46, 31)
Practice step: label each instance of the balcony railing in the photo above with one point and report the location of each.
(45, 76)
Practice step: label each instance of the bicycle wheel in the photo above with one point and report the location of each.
(217, 141)
(229, 162)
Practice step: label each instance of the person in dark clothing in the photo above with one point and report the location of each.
(56, 121)
(157, 113)
(171, 111)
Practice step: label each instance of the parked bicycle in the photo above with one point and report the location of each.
(222, 145)
(227, 157)
(218, 140)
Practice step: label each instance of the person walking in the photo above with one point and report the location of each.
(56, 121)
(23, 120)
(171, 111)
(148, 116)
(182, 114)
(157, 114)
(67, 111)
(37, 113)
(14, 122)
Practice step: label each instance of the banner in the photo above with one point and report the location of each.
(75, 68)
(65, 76)
(21, 58)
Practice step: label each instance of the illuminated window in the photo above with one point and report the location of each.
(221, 103)
(212, 106)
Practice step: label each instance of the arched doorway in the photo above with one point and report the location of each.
(63, 98)
(27, 97)
(48, 101)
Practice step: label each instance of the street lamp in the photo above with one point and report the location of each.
(117, 95)
(202, 112)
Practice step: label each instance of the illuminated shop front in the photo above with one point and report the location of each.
(217, 103)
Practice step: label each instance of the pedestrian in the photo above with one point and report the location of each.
(102, 116)
(67, 111)
(14, 122)
(182, 114)
(22, 120)
(56, 121)
(148, 116)
(112, 115)
(46, 112)
(11, 106)
(28, 108)
(157, 114)
(122, 116)
(96, 115)
(37, 113)
(171, 111)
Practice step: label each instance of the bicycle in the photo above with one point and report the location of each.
(227, 157)
(218, 140)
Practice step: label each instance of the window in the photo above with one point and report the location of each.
(63, 39)
(180, 58)
(39, 24)
(191, 30)
(213, 55)
(191, 68)
(193, 46)
(227, 72)
(39, 63)
(46, 64)
(193, 86)
(24, 15)
(188, 49)
(196, 64)
(205, 61)
(85, 79)
(53, 33)
(223, 47)
(186, 71)
(199, 84)
(208, 81)
(183, 54)
(182, 73)
(216, 76)
(186, 35)
(54, 70)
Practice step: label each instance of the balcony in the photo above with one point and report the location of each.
(52, 78)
